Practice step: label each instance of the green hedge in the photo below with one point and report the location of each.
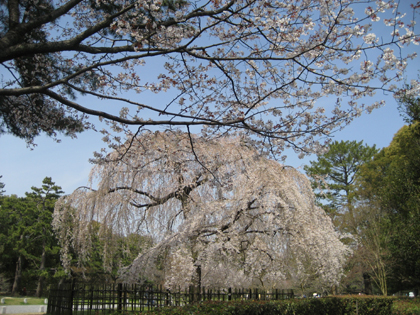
(322, 306)
(406, 306)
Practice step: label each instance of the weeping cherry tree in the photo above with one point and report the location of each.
(219, 213)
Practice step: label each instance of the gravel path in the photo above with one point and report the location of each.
(23, 309)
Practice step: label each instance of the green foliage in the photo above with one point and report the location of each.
(97, 268)
(392, 180)
(40, 107)
(409, 107)
(389, 192)
(15, 215)
(4, 284)
(333, 176)
(323, 306)
(26, 235)
(1, 187)
(406, 306)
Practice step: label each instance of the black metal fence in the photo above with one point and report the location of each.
(72, 298)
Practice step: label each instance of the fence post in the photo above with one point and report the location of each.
(125, 296)
(194, 294)
(51, 297)
(91, 298)
(112, 296)
(229, 294)
(72, 286)
(119, 297)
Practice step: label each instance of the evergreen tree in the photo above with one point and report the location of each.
(1, 187)
(16, 215)
(393, 178)
(28, 245)
(333, 177)
(43, 200)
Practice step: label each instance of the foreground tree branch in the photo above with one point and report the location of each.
(258, 66)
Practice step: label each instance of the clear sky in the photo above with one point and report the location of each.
(68, 162)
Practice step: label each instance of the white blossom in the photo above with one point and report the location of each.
(231, 64)
(223, 207)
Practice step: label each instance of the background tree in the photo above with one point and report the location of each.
(393, 177)
(28, 245)
(372, 251)
(409, 105)
(40, 230)
(225, 65)
(105, 258)
(333, 177)
(4, 284)
(16, 216)
(209, 206)
(1, 187)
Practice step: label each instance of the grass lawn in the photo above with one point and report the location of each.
(19, 301)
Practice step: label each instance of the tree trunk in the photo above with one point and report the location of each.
(198, 272)
(351, 212)
(18, 276)
(197, 284)
(41, 279)
(334, 290)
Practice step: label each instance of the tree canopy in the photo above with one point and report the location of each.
(409, 106)
(392, 181)
(219, 213)
(43, 200)
(29, 247)
(333, 176)
(258, 66)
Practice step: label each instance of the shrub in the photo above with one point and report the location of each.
(323, 306)
(406, 306)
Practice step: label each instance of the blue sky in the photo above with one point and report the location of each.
(67, 162)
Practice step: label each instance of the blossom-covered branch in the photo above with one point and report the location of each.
(255, 65)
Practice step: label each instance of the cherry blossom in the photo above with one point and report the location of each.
(219, 213)
(259, 66)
